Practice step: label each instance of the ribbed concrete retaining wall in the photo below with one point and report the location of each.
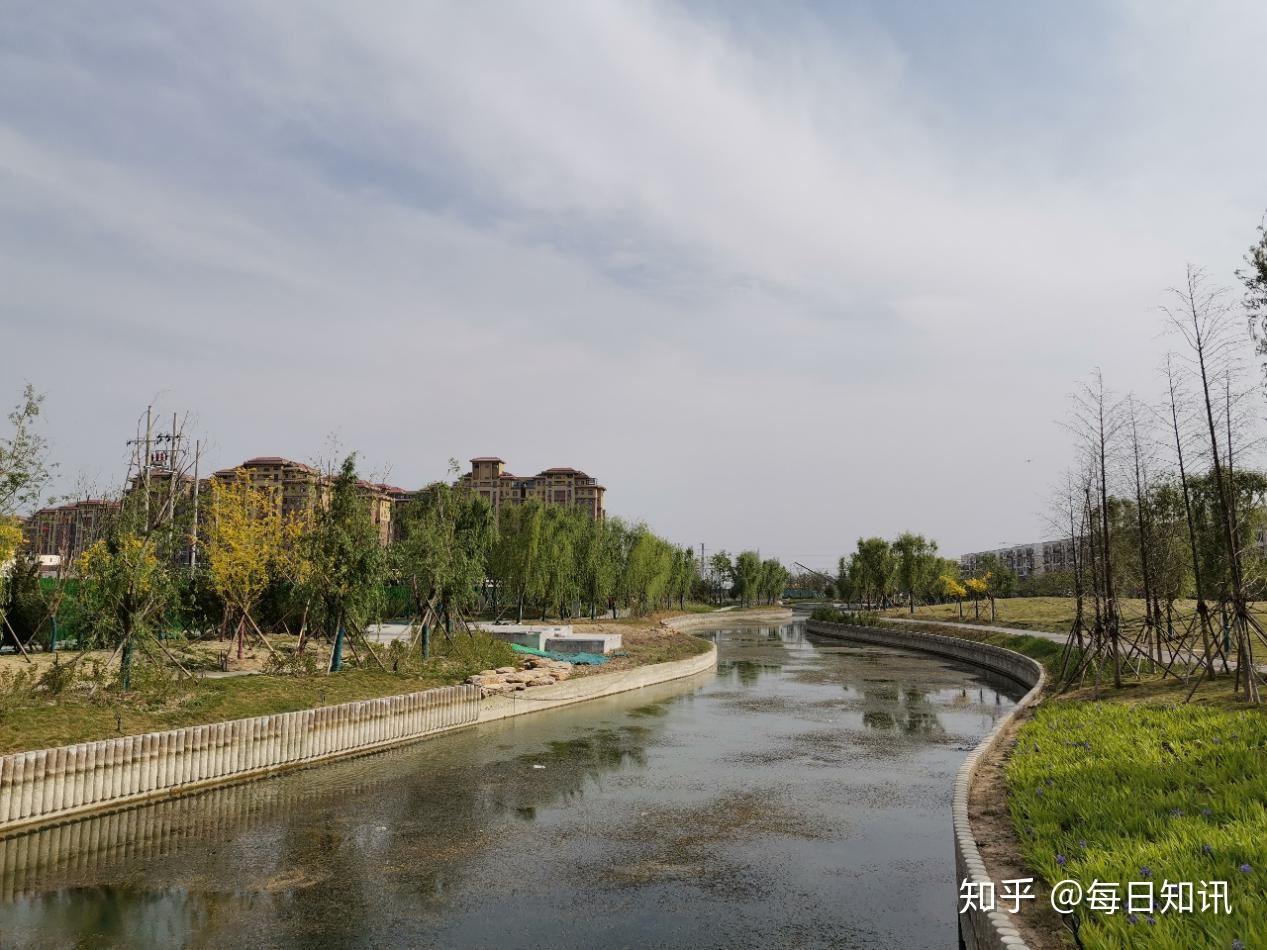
(53, 784)
(978, 930)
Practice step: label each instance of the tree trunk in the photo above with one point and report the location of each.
(336, 655)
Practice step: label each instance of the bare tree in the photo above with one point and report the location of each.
(1204, 318)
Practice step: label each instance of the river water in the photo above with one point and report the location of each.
(798, 797)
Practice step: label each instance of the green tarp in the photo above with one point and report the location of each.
(580, 659)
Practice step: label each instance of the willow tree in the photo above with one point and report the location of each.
(872, 569)
(647, 569)
(747, 576)
(442, 556)
(515, 560)
(685, 574)
(598, 561)
(916, 565)
(560, 582)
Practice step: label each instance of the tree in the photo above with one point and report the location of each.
(24, 471)
(977, 588)
(515, 562)
(648, 568)
(560, 579)
(597, 558)
(443, 552)
(1254, 277)
(916, 558)
(247, 538)
(1000, 579)
(845, 589)
(773, 579)
(125, 591)
(951, 589)
(721, 570)
(872, 570)
(747, 576)
(684, 575)
(348, 565)
(24, 466)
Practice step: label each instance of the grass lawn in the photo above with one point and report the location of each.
(1054, 614)
(41, 723)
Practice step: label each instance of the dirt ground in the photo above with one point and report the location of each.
(1040, 926)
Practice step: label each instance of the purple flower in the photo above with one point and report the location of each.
(1145, 871)
(1132, 918)
(1060, 859)
(1176, 812)
(1040, 791)
(1152, 921)
(1237, 945)
(1082, 843)
(1206, 813)
(1245, 869)
(1206, 849)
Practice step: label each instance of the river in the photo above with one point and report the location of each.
(800, 796)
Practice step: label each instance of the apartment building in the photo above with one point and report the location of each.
(1025, 560)
(303, 488)
(569, 487)
(68, 530)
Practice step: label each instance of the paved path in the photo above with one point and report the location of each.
(1013, 631)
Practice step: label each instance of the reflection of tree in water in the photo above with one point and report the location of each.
(887, 708)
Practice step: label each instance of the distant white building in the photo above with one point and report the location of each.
(1025, 560)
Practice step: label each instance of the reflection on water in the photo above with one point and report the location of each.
(799, 796)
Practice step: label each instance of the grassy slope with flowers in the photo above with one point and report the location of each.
(1148, 789)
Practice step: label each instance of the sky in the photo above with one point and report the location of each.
(779, 275)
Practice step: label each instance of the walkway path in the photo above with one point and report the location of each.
(1013, 631)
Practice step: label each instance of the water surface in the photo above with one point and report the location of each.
(798, 797)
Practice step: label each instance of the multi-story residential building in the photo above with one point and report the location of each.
(302, 489)
(68, 530)
(1025, 560)
(554, 486)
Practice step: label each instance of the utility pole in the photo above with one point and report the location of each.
(193, 537)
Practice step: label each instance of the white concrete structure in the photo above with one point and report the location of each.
(560, 639)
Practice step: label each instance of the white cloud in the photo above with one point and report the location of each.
(666, 235)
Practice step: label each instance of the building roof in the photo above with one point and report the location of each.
(487, 458)
(84, 503)
(562, 470)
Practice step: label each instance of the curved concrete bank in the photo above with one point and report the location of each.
(978, 930)
(52, 785)
(722, 618)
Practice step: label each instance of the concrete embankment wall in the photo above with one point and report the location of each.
(979, 930)
(51, 785)
(723, 618)
(54, 784)
(594, 686)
